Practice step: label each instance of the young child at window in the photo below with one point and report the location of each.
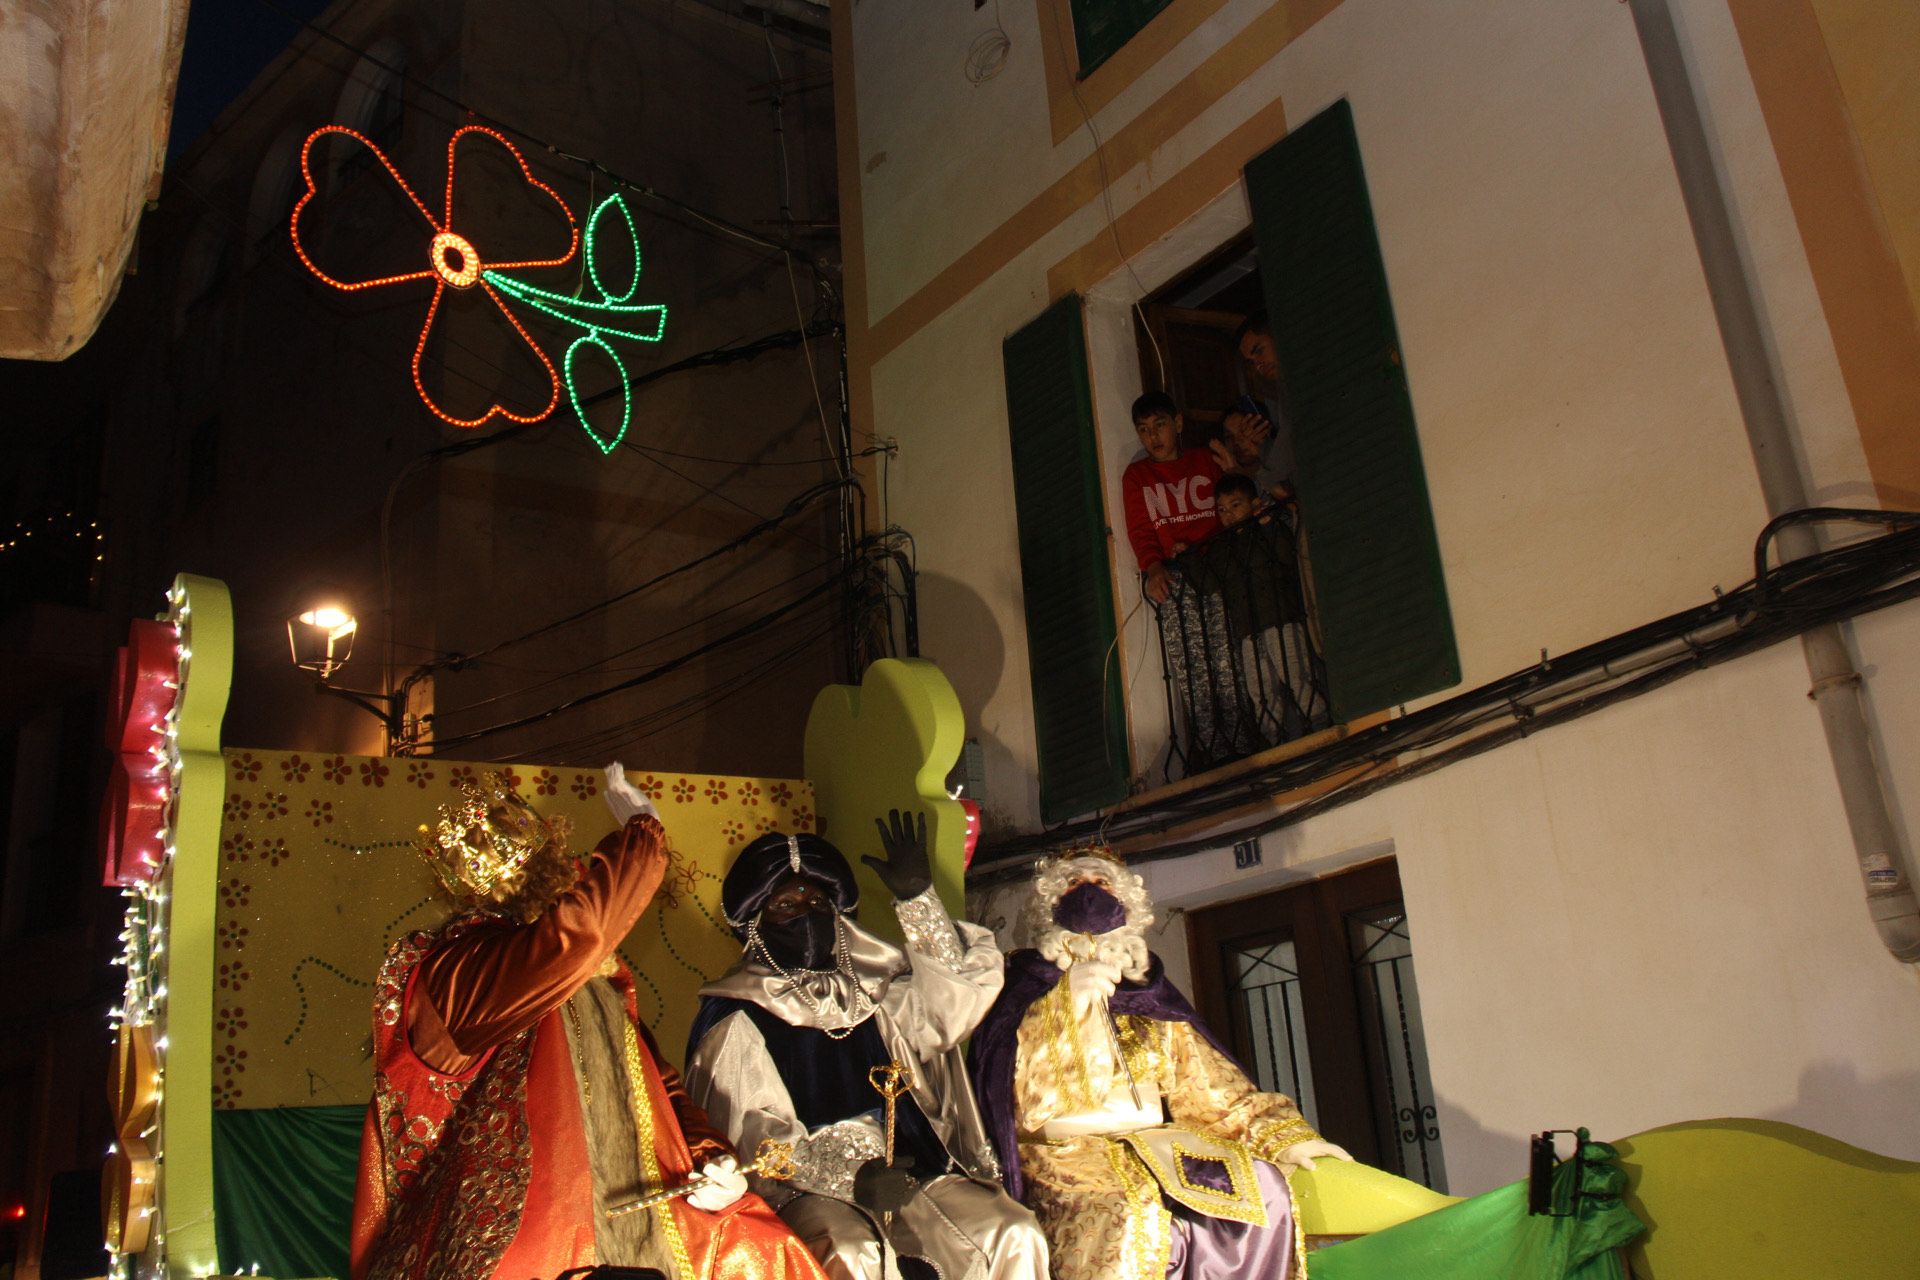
(1251, 444)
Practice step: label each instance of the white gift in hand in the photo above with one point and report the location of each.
(625, 799)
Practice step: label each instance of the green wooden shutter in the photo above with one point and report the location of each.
(1065, 566)
(1381, 599)
(1100, 27)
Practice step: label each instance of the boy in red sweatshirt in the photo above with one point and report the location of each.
(1169, 501)
(1168, 495)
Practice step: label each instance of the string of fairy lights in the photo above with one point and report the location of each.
(57, 531)
(138, 1024)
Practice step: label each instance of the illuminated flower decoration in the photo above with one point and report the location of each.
(455, 262)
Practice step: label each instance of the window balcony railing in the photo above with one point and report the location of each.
(1242, 669)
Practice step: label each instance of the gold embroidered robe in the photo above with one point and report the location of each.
(1100, 1207)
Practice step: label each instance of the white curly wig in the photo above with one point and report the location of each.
(1125, 946)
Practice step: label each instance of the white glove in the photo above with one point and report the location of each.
(724, 1184)
(1091, 983)
(624, 798)
(1301, 1154)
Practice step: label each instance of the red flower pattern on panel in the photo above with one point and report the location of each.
(231, 1060)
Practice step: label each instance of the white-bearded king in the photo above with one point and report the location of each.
(1141, 1145)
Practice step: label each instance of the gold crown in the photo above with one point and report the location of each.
(1094, 848)
(481, 841)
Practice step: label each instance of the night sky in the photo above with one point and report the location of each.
(229, 42)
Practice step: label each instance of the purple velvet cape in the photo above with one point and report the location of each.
(996, 1042)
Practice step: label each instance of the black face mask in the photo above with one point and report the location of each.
(804, 942)
(1089, 908)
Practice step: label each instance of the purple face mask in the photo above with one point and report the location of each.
(1089, 908)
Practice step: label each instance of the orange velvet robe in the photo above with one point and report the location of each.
(474, 1158)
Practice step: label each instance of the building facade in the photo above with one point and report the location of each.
(1650, 914)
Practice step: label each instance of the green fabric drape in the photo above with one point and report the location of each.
(283, 1181)
(1490, 1237)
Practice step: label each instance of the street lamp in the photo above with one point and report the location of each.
(321, 640)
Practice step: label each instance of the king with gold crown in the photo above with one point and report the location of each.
(1119, 1118)
(523, 1122)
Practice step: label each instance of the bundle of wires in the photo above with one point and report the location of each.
(1777, 604)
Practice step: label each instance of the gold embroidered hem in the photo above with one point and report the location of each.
(1179, 1161)
(649, 1160)
(1100, 1198)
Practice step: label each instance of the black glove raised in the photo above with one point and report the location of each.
(908, 870)
(879, 1187)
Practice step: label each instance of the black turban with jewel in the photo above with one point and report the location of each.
(770, 862)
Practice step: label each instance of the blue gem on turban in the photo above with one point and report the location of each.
(770, 862)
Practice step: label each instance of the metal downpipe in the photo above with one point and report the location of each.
(1837, 689)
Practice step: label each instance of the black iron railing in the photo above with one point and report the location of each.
(1242, 670)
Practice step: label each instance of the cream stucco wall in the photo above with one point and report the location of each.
(1652, 914)
(1631, 921)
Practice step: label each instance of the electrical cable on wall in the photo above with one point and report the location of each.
(659, 719)
(987, 55)
(646, 677)
(1778, 604)
(599, 666)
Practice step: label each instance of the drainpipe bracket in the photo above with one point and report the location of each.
(1839, 680)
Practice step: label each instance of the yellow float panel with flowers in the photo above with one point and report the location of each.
(318, 875)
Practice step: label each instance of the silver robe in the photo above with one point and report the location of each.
(926, 1000)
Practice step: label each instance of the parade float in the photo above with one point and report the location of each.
(263, 887)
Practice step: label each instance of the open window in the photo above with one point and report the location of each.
(1332, 605)
(1336, 608)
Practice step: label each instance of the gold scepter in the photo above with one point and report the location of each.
(773, 1160)
(890, 1082)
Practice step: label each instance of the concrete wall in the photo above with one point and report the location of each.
(1652, 914)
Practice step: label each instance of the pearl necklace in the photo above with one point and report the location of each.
(843, 964)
